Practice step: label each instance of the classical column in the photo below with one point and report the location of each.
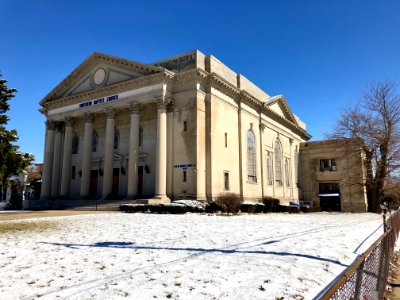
(109, 152)
(161, 153)
(55, 177)
(87, 155)
(67, 156)
(133, 150)
(170, 147)
(48, 160)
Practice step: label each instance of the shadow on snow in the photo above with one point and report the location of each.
(130, 245)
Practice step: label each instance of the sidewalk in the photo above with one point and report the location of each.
(394, 278)
(26, 214)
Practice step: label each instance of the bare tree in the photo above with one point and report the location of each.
(375, 121)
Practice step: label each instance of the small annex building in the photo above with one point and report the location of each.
(332, 174)
(183, 127)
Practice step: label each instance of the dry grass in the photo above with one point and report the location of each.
(27, 227)
(4, 215)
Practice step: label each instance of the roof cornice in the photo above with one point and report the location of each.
(96, 58)
(163, 77)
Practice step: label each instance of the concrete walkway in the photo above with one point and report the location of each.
(394, 279)
(26, 214)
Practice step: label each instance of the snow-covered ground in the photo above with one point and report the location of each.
(192, 256)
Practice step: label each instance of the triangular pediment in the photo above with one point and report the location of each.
(279, 106)
(98, 71)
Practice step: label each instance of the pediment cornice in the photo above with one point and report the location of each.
(164, 76)
(94, 59)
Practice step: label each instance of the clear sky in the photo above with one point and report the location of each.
(320, 54)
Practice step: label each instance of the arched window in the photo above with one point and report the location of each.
(75, 144)
(287, 172)
(269, 168)
(296, 167)
(140, 136)
(251, 156)
(95, 139)
(116, 139)
(278, 163)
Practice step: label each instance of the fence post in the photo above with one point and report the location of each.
(359, 279)
(384, 223)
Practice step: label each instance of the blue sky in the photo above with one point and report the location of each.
(320, 54)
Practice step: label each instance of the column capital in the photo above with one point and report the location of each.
(50, 125)
(135, 107)
(88, 117)
(163, 102)
(69, 122)
(110, 112)
(170, 106)
(262, 127)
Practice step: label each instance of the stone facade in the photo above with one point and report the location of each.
(183, 127)
(332, 174)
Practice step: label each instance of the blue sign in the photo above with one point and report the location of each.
(98, 101)
(185, 166)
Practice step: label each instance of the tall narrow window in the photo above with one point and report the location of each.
(226, 181)
(184, 176)
(73, 172)
(287, 172)
(269, 168)
(184, 125)
(116, 139)
(226, 140)
(278, 163)
(95, 138)
(75, 144)
(296, 167)
(140, 136)
(251, 156)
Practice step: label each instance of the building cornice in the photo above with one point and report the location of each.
(94, 59)
(164, 76)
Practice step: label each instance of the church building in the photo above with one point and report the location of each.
(184, 127)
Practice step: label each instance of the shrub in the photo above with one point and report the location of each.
(293, 209)
(213, 207)
(155, 208)
(270, 204)
(229, 202)
(252, 207)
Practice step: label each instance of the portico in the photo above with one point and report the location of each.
(105, 152)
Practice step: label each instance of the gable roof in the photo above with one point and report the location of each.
(88, 64)
(283, 105)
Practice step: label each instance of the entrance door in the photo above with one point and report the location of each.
(330, 203)
(94, 176)
(115, 183)
(140, 181)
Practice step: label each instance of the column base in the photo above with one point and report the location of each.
(162, 199)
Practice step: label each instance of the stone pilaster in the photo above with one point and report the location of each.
(67, 157)
(87, 155)
(108, 152)
(262, 128)
(133, 150)
(48, 161)
(170, 147)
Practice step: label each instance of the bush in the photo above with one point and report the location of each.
(270, 204)
(252, 207)
(293, 209)
(155, 208)
(229, 202)
(310, 209)
(213, 207)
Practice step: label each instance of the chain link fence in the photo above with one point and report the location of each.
(366, 278)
